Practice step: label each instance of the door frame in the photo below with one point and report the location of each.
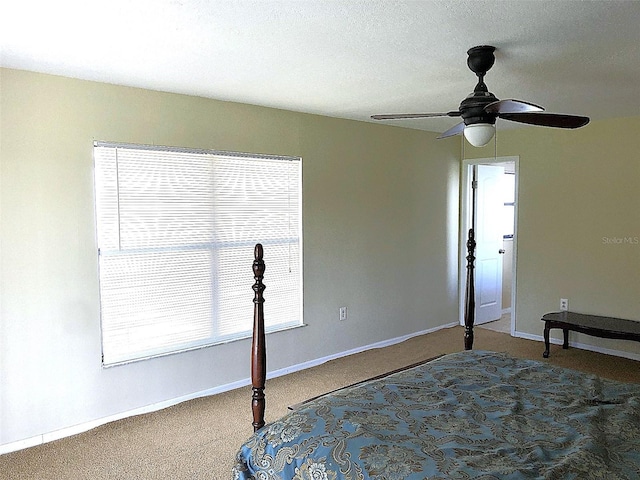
(465, 225)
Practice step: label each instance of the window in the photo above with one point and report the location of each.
(176, 230)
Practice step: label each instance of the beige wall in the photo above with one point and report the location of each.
(577, 190)
(380, 236)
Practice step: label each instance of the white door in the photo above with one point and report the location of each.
(488, 231)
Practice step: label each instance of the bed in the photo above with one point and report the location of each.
(471, 414)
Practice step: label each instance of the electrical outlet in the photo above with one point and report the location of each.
(564, 304)
(343, 313)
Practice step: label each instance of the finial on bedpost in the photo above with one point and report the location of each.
(258, 348)
(470, 295)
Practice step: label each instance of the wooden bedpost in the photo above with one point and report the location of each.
(258, 348)
(470, 294)
(470, 291)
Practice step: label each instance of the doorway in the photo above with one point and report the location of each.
(495, 232)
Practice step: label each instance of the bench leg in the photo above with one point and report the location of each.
(546, 340)
(565, 332)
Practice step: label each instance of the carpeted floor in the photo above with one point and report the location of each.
(503, 324)
(198, 439)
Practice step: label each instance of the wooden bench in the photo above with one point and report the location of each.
(596, 325)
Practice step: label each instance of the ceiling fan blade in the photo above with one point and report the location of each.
(396, 116)
(512, 106)
(557, 120)
(455, 130)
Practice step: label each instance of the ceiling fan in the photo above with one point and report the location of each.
(481, 108)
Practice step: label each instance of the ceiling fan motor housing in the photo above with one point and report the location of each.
(480, 61)
(472, 108)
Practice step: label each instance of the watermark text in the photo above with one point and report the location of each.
(621, 240)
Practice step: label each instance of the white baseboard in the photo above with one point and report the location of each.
(83, 427)
(582, 346)
(384, 343)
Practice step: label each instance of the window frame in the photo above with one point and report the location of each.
(296, 239)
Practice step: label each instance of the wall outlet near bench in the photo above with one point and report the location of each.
(564, 304)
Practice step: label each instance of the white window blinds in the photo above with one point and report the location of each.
(176, 231)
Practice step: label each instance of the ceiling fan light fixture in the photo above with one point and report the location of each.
(479, 134)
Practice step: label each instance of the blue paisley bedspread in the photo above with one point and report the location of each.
(472, 414)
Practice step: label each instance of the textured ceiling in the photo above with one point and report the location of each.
(340, 58)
